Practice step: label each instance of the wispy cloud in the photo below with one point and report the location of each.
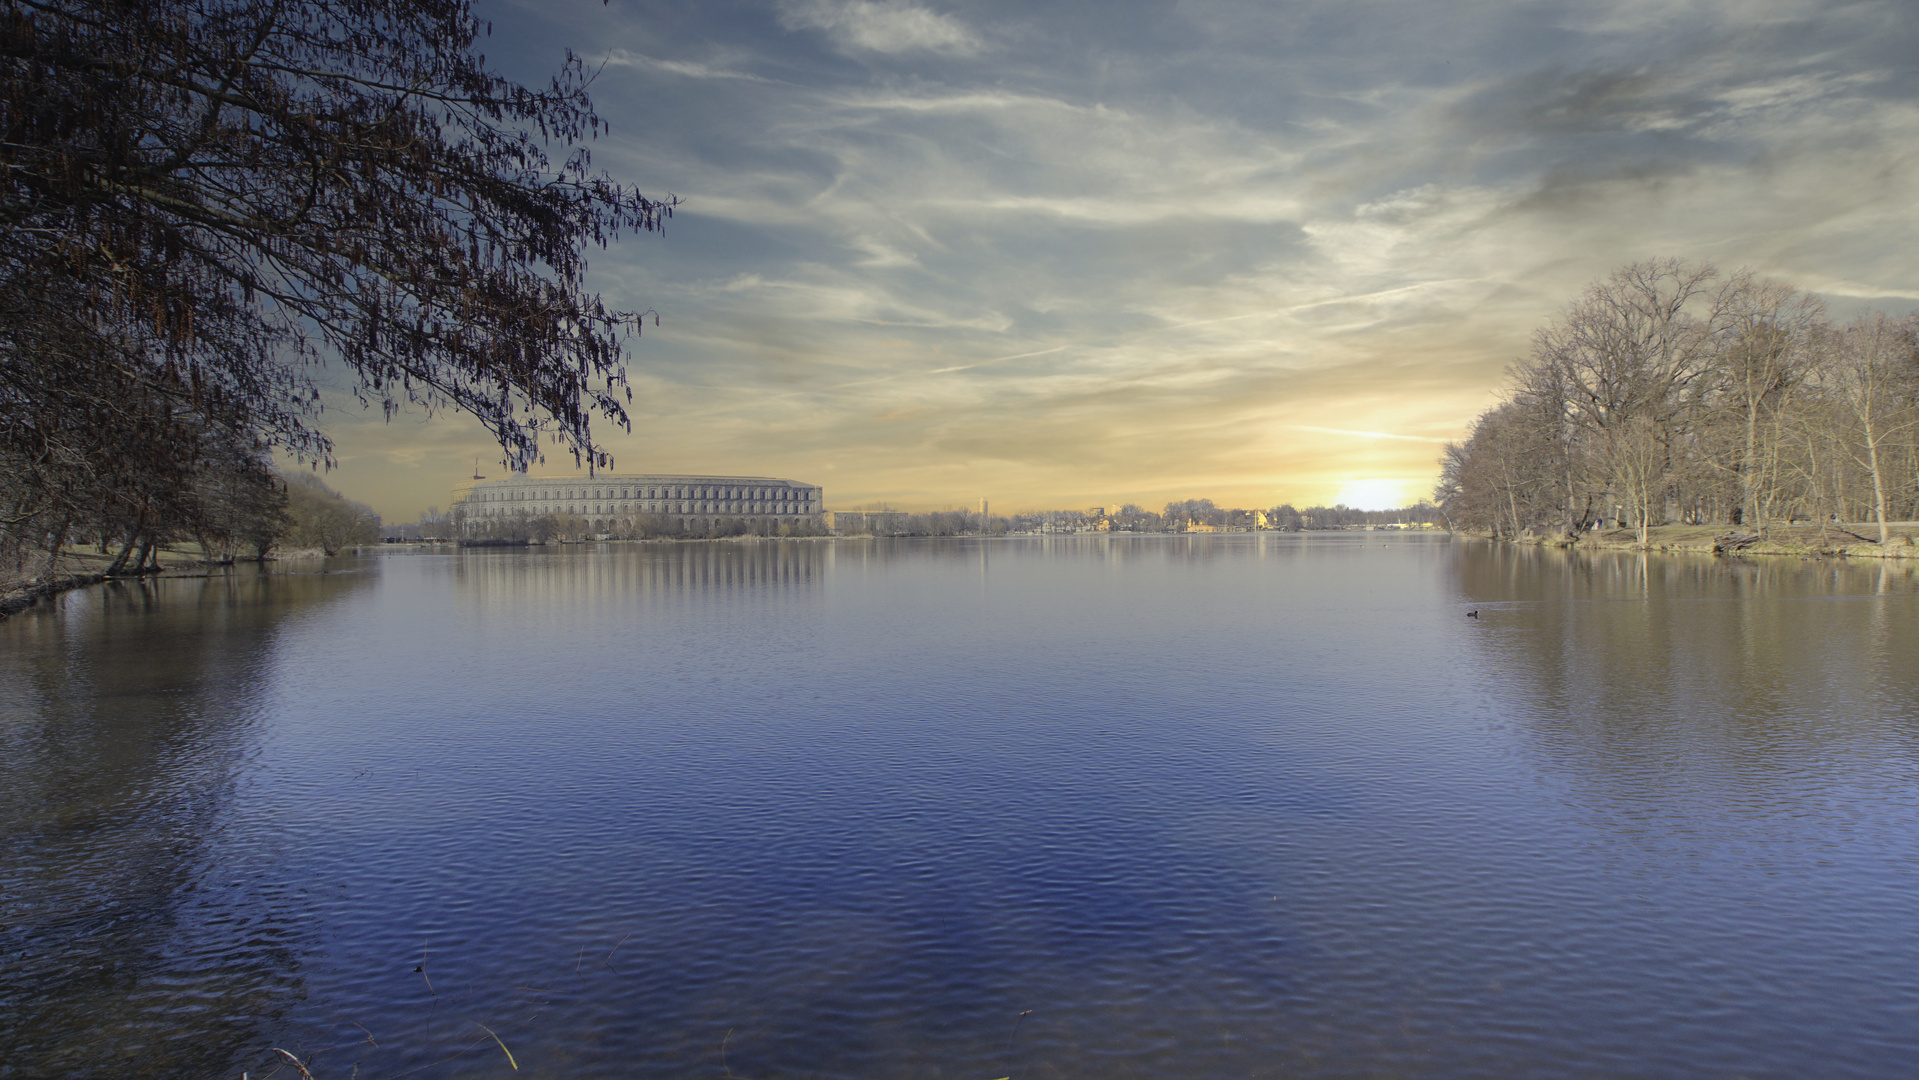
(937, 248)
(691, 69)
(885, 26)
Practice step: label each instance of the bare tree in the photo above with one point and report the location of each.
(1765, 335)
(1873, 357)
(1664, 391)
(1625, 354)
(204, 198)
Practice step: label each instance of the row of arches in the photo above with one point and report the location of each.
(759, 494)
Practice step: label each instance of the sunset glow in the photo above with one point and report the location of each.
(1055, 255)
(1378, 494)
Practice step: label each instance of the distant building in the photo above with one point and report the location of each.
(612, 503)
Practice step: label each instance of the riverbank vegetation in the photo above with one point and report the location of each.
(1814, 539)
(320, 518)
(1669, 393)
(234, 518)
(207, 201)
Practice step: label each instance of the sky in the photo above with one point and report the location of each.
(1089, 253)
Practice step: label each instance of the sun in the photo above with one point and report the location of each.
(1375, 494)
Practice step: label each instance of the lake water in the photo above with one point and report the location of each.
(1157, 807)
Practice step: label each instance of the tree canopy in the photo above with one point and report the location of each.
(205, 200)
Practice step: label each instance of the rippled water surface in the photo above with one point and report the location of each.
(1132, 807)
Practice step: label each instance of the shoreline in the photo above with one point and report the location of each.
(18, 597)
(1845, 541)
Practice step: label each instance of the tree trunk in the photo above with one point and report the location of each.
(55, 542)
(120, 561)
(1572, 523)
(1878, 485)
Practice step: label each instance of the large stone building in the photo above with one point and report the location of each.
(617, 504)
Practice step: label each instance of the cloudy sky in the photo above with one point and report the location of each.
(1077, 253)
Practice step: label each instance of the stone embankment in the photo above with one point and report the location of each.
(1850, 540)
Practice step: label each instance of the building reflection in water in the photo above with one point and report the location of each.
(583, 575)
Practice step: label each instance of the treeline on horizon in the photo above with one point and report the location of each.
(1669, 393)
(1178, 516)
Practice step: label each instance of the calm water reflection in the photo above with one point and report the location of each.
(1168, 807)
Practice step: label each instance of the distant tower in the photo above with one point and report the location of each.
(983, 519)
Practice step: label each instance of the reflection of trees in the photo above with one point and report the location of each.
(1673, 674)
(130, 947)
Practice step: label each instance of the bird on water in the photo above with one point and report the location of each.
(1473, 614)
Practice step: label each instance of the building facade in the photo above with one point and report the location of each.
(618, 504)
